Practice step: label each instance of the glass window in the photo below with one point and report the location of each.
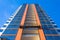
(50, 26)
(16, 18)
(53, 23)
(44, 26)
(41, 19)
(47, 31)
(48, 22)
(13, 26)
(9, 19)
(52, 37)
(4, 25)
(1, 30)
(15, 23)
(7, 22)
(8, 37)
(58, 30)
(43, 22)
(10, 31)
(51, 20)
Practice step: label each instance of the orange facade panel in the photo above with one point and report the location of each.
(41, 33)
(24, 16)
(38, 21)
(19, 33)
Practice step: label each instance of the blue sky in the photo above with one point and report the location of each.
(51, 7)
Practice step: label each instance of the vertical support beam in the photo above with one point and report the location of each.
(24, 16)
(41, 33)
(36, 14)
(19, 33)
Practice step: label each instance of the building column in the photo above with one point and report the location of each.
(19, 33)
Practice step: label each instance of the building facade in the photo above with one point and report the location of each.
(29, 22)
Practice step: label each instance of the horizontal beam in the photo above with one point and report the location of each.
(52, 34)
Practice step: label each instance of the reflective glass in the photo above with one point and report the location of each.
(52, 37)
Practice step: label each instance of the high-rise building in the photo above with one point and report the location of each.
(29, 22)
